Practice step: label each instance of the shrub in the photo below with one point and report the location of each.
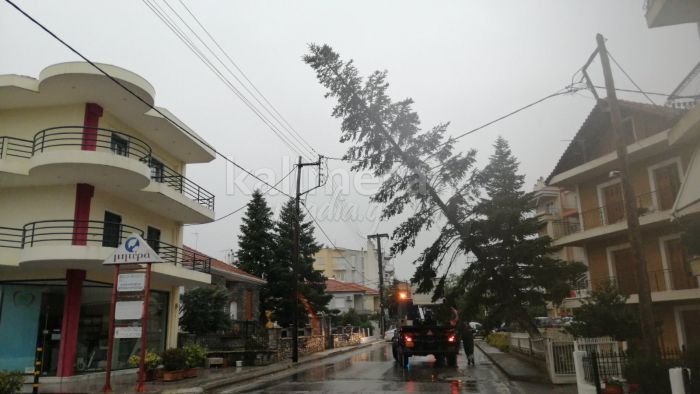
(10, 382)
(650, 374)
(195, 355)
(152, 362)
(174, 359)
(499, 340)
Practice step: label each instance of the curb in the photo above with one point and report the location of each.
(520, 378)
(276, 368)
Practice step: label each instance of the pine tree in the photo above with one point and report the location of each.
(255, 242)
(311, 282)
(516, 270)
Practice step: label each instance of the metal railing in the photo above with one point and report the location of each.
(187, 258)
(92, 232)
(77, 232)
(15, 147)
(654, 201)
(91, 138)
(163, 174)
(659, 280)
(10, 237)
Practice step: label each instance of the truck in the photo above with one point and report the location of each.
(423, 330)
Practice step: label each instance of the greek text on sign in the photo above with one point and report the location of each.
(128, 310)
(134, 250)
(131, 282)
(127, 332)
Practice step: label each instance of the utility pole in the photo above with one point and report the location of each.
(381, 278)
(295, 256)
(646, 312)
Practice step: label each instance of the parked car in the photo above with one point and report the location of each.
(389, 334)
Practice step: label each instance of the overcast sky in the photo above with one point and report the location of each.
(466, 62)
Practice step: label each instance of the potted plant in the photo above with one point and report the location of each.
(150, 364)
(174, 363)
(613, 386)
(195, 355)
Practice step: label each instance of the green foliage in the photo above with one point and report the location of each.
(311, 283)
(650, 373)
(515, 272)
(255, 242)
(606, 313)
(195, 355)
(499, 340)
(11, 382)
(153, 360)
(174, 359)
(203, 310)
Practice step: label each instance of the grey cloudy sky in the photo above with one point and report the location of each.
(466, 62)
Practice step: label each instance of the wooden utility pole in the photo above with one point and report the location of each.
(380, 262)
(295, 257)
(646, 312)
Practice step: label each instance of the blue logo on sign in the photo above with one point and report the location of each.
(131, 244)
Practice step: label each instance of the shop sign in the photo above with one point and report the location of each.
(128, 310)
(133, 251)
(131, 282)
(127, 332)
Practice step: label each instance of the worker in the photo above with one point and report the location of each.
(468, 342)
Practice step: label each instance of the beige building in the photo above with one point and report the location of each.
(354, 266)
(552, 205)
(662, 144)
(83, 164)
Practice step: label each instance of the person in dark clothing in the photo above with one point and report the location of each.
(468, 342)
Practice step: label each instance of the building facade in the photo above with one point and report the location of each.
(83, 164)
(660, 155)
(355, 266)
(346, 296)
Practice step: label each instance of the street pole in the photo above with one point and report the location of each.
(646, 313)
(295, 258)
(381, 278)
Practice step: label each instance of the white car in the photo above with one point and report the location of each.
(389, 334)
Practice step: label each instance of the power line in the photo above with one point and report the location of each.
(630, 78)
(182, 36)
(246, 77)
(116, 81)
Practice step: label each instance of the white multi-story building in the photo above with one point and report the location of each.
(354, 266)
(83, 164)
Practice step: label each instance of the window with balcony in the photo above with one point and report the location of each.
(153, 238)
(157, 170)
(612, 203)
(119, 145)
(681, 278)
(625, 271)
(111, 233)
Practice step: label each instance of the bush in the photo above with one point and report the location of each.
(174, 359)
(203, 310)
(195, 355)
(10, 382)
(499, 340)
(152, 362)
(650, 374)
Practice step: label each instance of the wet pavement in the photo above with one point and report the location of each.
(373, 370)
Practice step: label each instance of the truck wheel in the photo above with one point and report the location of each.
(452, 360)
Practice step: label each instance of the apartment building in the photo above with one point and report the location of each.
(346, 296)
(83, 164)
(553, 204)
(660, 144)
(355, 266)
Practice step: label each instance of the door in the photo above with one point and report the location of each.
(111, 235)
(691, 322)
(613, 206)
(119, 145)
(625, 271)
(667, 183)
(249, 305)
(157, 169)
(681, 278)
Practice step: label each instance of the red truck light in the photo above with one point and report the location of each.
(451, 338)
(408, 338)
(408, 341)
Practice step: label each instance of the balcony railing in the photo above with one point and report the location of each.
(15, 147)
(99, 139)
(105, 140)
(659, 200)
(10, 237)
(679, 280)
(92, 232)
(163, 174)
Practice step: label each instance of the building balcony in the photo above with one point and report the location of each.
(610, 219)
(665, 285)
(671, 12)
(86, 244)
(109, 159)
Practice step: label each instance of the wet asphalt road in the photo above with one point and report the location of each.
(373, 370)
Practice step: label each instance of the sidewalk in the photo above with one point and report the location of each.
(512, 366)
(210, 379)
